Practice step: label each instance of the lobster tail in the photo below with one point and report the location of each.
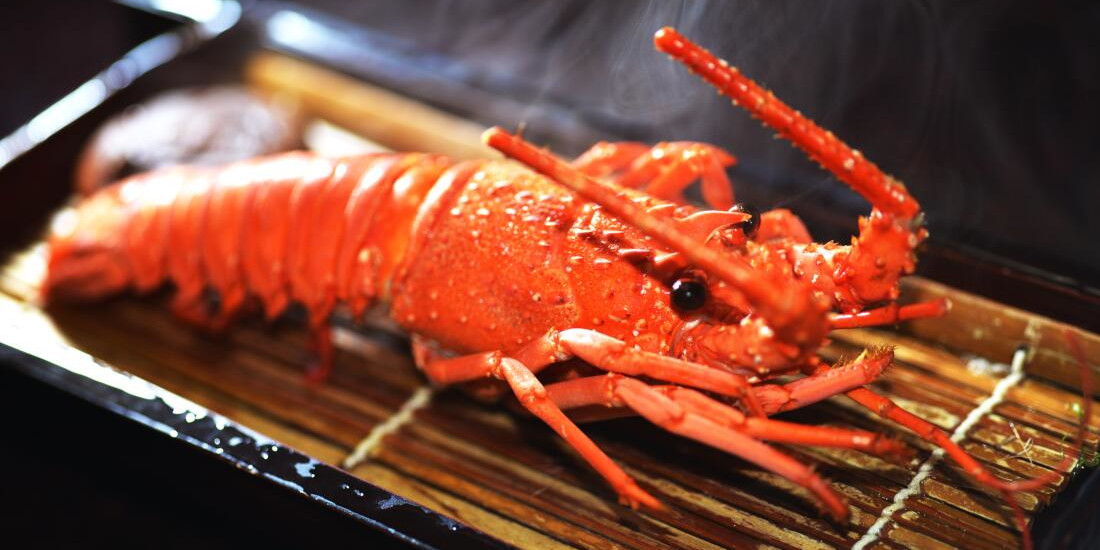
(82, 271)
(87, 259)
(288, 227)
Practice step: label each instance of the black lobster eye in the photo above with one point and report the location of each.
(688, 294)
(753, 223)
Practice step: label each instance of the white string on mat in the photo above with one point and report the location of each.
(369, 445)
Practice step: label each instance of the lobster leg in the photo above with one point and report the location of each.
(788, 432)
(612, 355)
(606, 157)
(823, 383)
(891, 314)
(781, 224)
(195, 311)
(668, 168)
(320, 336)
(532, 395)
(682, 416)
(891, 411)
(665, 169)
(599, 390)
(191, 311)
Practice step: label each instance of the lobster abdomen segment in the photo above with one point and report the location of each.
(280, 228)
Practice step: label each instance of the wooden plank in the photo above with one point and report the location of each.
(993, 330)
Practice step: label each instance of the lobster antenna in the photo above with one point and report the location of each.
(775, 303)
(847, 164)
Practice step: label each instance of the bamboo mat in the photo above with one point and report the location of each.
(510, 476)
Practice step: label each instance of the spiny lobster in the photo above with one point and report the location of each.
(675, 313)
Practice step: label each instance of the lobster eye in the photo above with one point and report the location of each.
(688, 294)
(753, 223)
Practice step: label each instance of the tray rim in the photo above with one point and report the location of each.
(83, 376)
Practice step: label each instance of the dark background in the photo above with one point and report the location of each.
(987, 110)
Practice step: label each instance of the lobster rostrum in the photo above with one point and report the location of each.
(681, 315)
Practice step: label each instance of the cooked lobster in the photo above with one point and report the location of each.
(684, 316)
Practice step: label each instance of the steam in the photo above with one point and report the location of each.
(984, 109)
